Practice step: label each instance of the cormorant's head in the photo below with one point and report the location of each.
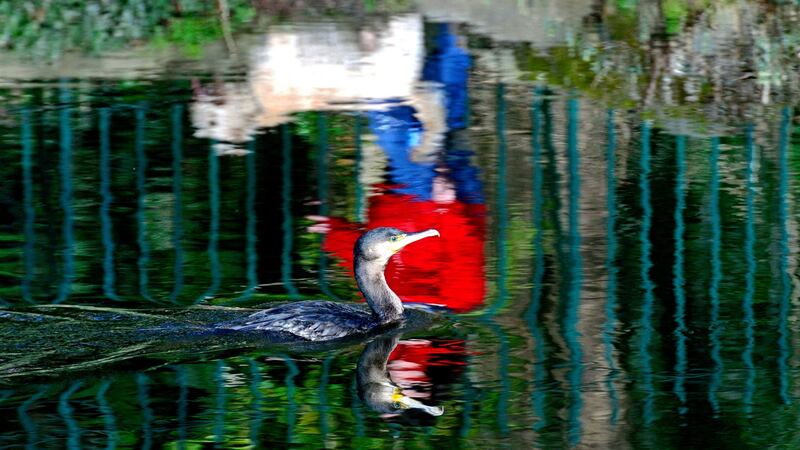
(381, 243)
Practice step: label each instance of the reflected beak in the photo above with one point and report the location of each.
(413, 237)
(410, 403)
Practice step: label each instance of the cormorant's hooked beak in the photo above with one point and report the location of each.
(405, 239)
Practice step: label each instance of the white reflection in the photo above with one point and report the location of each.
(323, 67)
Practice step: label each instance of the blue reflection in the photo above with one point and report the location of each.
(786, 290)
(399, 132)
(647, 285)
(716, 277)
(141, 205)
(177, 194)
(750, 277)
(250, 229)
(30, 212)
(678, 281)
(219, 407)
(448, 63)
(286, 211)
(65, 199)
(538, 393)
(147, 412)
(65, 410)
(571, 333)
(27, 422)
(107, 412)
(611, 267)
(109, 274)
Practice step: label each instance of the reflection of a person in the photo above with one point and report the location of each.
(376, 386)
(363, 68)
(430, 187)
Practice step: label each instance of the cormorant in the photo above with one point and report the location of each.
(324, 320)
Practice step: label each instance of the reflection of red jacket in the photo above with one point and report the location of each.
(446, 271)
(416, 361)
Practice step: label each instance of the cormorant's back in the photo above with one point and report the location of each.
(313, 320)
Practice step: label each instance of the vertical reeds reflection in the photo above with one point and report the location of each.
(750, 277)
(183, 404)
(716, 278)
(30, 210)
(31, 430)
(501, 205)
(213, 226)
(177, 195)
(786, 282)
(645, 322)
(323, 398)
(66, 411)
(291, 402)
(678, 281)
(220, 403)
(65, 199)
(106, 227)
(539, 390)
(143, 397)
(575, 271)
(109, 420)
(323, 153)
(141, 202)
(360, 194)
(286, 212)
(356, 409)
(250, 226)
(610, 325)
(256, 413)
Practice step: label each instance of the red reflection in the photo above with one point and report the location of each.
(448, 271)
(415, 364)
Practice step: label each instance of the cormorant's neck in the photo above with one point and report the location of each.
(383, 301)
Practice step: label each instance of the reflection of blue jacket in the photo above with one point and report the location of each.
(398, 130)
(449, 64)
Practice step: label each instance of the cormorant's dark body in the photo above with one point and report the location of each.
(325, 320)
(314, 320)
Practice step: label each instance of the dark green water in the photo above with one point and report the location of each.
(616, 198)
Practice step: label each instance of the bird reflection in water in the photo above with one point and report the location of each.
(387, 378)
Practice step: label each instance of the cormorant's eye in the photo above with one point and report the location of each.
(397, 405)
(393, 238)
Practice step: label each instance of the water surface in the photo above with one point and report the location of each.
(615, 189)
